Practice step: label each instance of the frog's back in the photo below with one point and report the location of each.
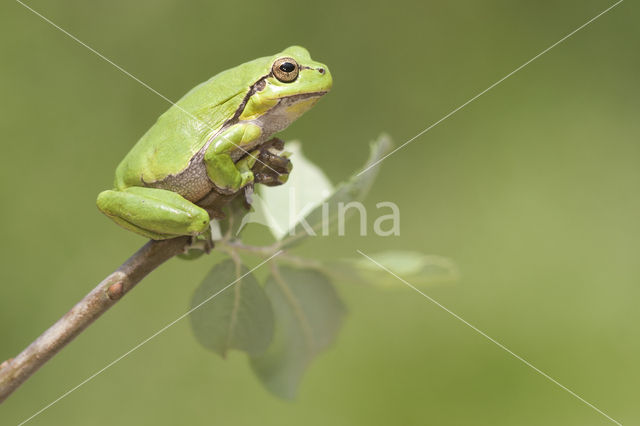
(168, 146)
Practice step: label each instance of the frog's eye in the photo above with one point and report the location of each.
(285, 69)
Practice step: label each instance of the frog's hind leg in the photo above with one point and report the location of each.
(154, 213)
(140, 231)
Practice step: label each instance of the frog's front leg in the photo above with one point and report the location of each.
(226, 175)
(154, 213)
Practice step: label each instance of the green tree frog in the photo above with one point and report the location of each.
(204, 143)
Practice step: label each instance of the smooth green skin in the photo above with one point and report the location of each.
(209, 129)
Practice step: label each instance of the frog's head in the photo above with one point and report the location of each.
(292, 82)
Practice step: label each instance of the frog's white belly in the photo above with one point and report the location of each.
(193, 183)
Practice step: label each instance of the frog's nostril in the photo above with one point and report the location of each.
(321, 70)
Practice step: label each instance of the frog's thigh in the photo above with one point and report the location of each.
(221, 169)
(154, 213)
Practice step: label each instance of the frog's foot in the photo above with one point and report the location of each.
(154, 213)
(197, 246)
(276, 143)
(203, 242)
(273, 168)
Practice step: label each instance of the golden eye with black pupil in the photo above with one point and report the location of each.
(285, 69)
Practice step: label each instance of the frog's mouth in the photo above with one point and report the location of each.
(302, 96)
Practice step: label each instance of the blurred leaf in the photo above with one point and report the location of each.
(417, 268)
(281, 207)
(239, 317)
(308, 316)
(355, 189)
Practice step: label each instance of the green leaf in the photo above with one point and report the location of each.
(308, 316)
(355, 189)
(416, 268)
(239, 317)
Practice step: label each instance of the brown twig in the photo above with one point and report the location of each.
(15, 371)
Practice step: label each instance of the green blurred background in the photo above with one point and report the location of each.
(532, 190)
